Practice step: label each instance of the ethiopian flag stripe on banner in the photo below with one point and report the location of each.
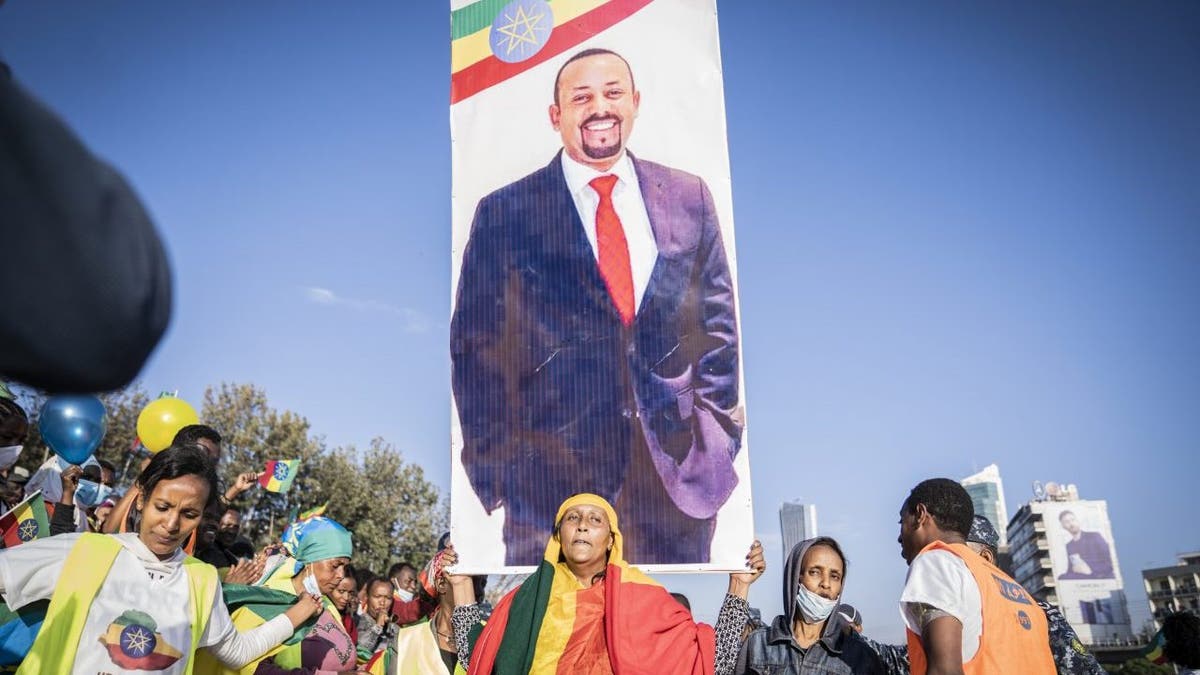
(493, 40)
(26, 522)
(279, 474)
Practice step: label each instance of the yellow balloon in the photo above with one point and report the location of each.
(159, 421)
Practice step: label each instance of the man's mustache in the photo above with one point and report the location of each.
(601, 118)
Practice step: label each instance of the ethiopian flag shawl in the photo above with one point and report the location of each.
(551, 614)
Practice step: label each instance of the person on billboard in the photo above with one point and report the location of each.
(963, 614)
(594, 338)
(1088, 554)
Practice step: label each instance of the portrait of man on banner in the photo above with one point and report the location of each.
(594, 338)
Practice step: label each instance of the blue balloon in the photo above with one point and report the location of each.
(73, 426)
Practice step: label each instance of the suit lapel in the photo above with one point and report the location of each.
(657, 201)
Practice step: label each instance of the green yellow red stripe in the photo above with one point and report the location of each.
(473, 66)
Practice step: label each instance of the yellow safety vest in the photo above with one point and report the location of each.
(86, 568)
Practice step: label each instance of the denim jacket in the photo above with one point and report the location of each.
(773, 651)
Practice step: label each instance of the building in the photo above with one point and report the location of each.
(798, 522)
(1063, 553)
(987, 494)
(1173, 589)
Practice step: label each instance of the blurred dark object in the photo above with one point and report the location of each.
(86, 283)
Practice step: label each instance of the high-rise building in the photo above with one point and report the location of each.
(1063, 553)
(1173, 589)
(798, 522)
(987, 494)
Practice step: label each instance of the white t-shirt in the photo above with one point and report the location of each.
(138, 587)
(941, 579)
(630, 208)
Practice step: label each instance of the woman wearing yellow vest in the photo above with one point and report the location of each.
(135, 601)
(428, 646)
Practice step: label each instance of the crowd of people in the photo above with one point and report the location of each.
(160, 579)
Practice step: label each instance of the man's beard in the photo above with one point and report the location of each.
(601, 151)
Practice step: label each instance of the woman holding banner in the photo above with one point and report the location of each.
(586, 605)
(135, 601)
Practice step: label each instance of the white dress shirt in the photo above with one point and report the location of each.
(630, 208)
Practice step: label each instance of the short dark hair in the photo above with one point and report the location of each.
(1181, 631)
(378, 580)
(399, 567)
(683, 600)
(192, 433)
(945, 500)
(14, 423)
(1066, 512)
(105, 464)
(242, 549)
(177, 461)
(594, 51)
(362, 576)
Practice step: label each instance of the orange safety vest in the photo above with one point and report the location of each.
(1015, 636)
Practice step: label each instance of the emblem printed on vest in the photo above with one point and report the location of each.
(1011, 590)
(1023, 619)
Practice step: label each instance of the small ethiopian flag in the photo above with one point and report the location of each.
(494, 40)
(26, 522)
(279, 474)
(133, 643)
(312, 513)
(1153, 652)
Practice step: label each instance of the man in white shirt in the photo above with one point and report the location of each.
(594, 337)
(962, 613)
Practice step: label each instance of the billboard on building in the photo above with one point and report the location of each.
(594, 336)
(1084, 563)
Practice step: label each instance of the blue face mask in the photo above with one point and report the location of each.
(9, 455)
(813, 608)
(90, 493)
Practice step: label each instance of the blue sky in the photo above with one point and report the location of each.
(967, 233)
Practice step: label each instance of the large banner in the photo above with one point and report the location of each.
(594, 339)
(1084, 563)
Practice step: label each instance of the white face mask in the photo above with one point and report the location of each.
(813, 608)
(310, 583)
(9, 455)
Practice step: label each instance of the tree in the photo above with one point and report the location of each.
(254, 433)
(394, 512)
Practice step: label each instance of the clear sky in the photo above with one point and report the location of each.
(967, 233)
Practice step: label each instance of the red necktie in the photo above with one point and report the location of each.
(613, 250)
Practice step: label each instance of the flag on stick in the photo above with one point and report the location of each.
(312, 513)
(279, 474)
(25, 522)
(1153, 652)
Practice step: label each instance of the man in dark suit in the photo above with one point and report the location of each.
(594, 338)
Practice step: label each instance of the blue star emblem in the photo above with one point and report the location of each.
(521, 29)
(27, 530)
(281, 471)
(137, 641)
